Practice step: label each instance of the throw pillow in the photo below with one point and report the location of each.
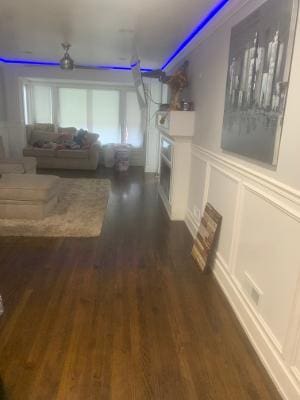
(65, 137)
(68, 130)
(44, 127)
(45, 136)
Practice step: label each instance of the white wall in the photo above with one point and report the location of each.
(154, 88)
(3, 123)
(2, 97)
(14, 105)
(259, 241)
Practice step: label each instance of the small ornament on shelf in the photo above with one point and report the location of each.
(177, 82)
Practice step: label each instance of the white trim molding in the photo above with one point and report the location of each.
(281, 358)
(276, 186)
(272, 361)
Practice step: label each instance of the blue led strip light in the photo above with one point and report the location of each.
(121, 68)
(29, 62)
(55, 64)
(182, 46)
(197, 30)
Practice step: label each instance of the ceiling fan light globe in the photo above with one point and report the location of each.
(67, 63)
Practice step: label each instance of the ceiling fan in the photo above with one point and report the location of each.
(67, 63)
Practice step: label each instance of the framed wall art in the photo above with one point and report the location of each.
(261, 48)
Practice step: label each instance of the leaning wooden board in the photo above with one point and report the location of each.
(1, 307)
(206, 236)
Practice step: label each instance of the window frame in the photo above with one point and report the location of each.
(89, 86)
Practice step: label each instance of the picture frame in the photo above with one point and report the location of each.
(261, 47)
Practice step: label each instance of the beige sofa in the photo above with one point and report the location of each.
(53, 156)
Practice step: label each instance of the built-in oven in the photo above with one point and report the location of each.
(165, 177)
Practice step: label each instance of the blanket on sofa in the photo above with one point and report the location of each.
(68, 140)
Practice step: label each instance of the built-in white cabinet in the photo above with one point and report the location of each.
(176, 130)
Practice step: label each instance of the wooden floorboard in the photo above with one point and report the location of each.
(124, 316)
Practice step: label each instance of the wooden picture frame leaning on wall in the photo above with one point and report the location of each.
(206, 237)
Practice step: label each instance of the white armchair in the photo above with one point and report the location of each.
(26, 165)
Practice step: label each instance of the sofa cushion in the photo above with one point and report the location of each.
(43, 127)
(37, 152)
(18, 209)
(68, 130)
(29, 164)
(72, 153)
(27, 187)
(11, 166)
(39, 136)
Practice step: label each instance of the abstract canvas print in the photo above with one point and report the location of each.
(257, 81)
(206, 236)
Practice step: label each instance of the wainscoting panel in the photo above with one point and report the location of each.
(257, 262)
(197, 187)
(222, 195)
(268, 253)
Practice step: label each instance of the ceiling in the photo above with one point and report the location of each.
(102, 32)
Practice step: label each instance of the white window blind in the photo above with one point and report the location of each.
(42, 104)
(133, 134)
(73, 108)
(106, 115)
(25, 103)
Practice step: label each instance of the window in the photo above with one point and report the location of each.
(133, 121)
(73, 108)
(42, 104)
(106, 115)
(25, 104)
(113, 113)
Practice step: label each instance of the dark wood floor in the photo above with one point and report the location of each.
(124, 316)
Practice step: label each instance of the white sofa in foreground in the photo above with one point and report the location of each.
(28, 196)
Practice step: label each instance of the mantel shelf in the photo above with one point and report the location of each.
(176, 123)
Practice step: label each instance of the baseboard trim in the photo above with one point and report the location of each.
(275, 367)
(191, 223)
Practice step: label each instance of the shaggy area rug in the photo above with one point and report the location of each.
(79, 213)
